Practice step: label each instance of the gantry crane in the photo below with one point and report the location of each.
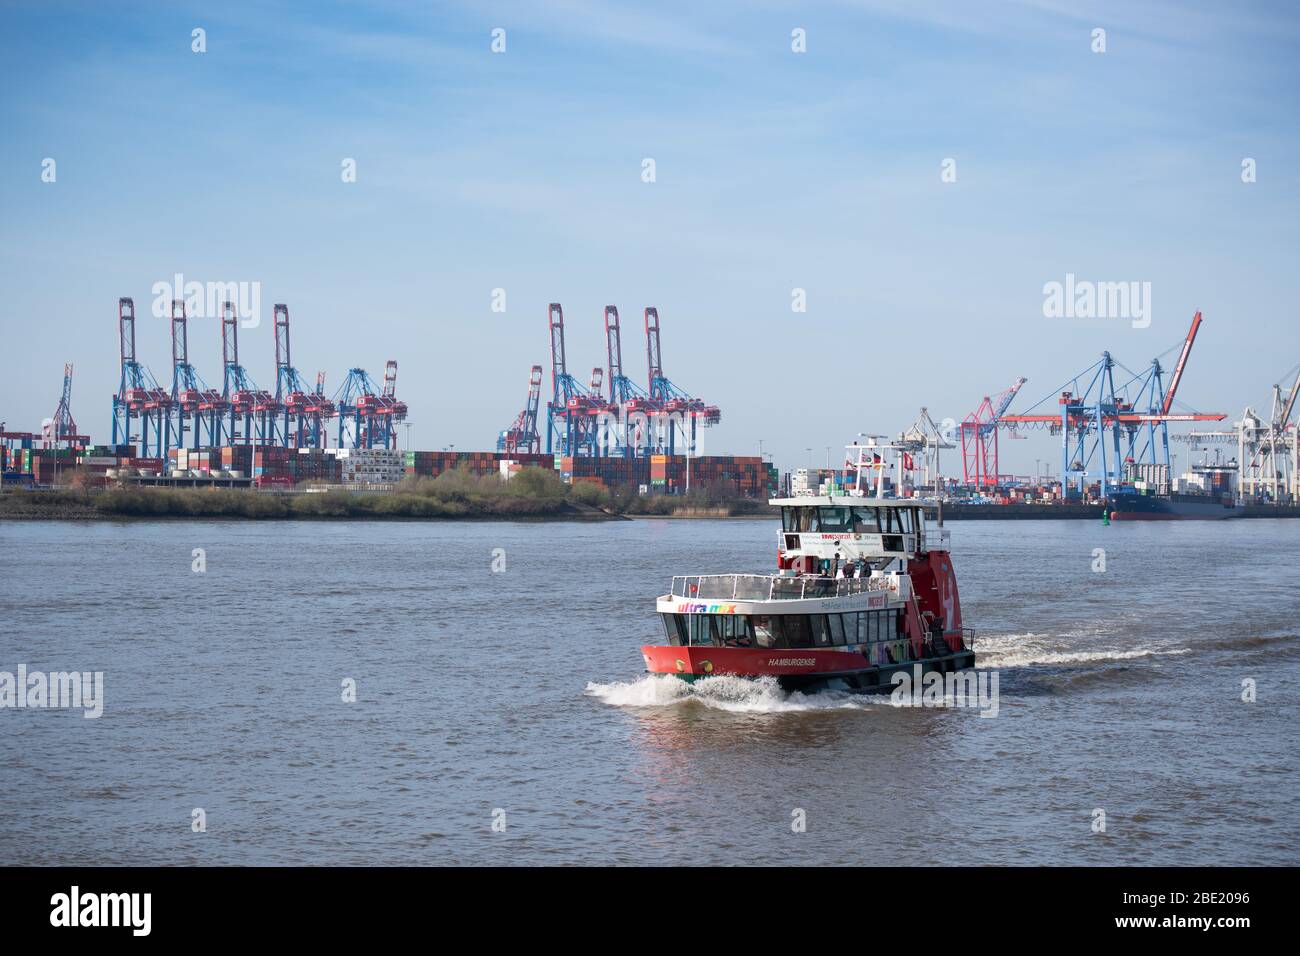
(570, 414)
(251, 409)
(1094, 413)
(979, 438)
(62, 428)
(371, 411)
(190, 397)
(1269, 450)
(680, 412)
(924, 439)
(139, 398)
(522, 436)
(303, 409)
(629, 403)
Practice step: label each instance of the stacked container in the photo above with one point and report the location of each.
(370, 465)
(430, 464)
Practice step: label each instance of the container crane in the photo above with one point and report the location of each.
(319, 410)
(1093, 413)
(246, 404)
(391, 410)
(303, 408)
(522, 436)
(979, 438)
(190, 397)
(570, 412)
(1269, 451)
(139, 397)
(924, 439)
(370, 410)
(62, 429)
(681, 411)
(630, 403)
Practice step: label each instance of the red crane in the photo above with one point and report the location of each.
(979, 438)
(1182, 364)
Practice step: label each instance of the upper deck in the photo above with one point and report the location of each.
(823, 501)
(856, 527)
(775, 587)
(786, 593)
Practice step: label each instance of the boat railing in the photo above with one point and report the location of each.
(773, 587)
(872, 542)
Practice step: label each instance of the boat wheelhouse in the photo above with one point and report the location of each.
(863, 588)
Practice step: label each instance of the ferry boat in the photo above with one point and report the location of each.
(863, 589)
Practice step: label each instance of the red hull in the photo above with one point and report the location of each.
(750, 662)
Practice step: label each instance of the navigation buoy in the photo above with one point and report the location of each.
(1105, 516)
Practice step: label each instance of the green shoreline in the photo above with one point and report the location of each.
(534, 495)
(531, 495)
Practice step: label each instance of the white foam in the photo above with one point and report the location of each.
(742, 695)
(1021, 650)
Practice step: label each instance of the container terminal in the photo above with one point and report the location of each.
(624, 432)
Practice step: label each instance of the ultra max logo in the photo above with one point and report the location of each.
(706, 609)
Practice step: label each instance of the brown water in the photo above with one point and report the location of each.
(521, 692)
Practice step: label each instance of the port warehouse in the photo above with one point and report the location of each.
(615, 432)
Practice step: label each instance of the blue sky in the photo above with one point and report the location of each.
(775, 171)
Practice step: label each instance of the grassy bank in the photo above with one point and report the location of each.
(534, 493)
(713, 500)
(531, 494)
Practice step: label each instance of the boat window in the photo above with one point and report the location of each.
(763, 633)
(820, 630)
(881, 626)
(675, 628)
(734, 629)
(864, 521)
(799, 519)
(795, 630)
(698, 627)
(907, 517)
(851, 622)
(837, 627)
(835, 519)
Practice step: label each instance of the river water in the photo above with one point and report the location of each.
(515, 697)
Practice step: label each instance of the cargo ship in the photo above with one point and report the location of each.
(1206, 492)
(863, 590)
